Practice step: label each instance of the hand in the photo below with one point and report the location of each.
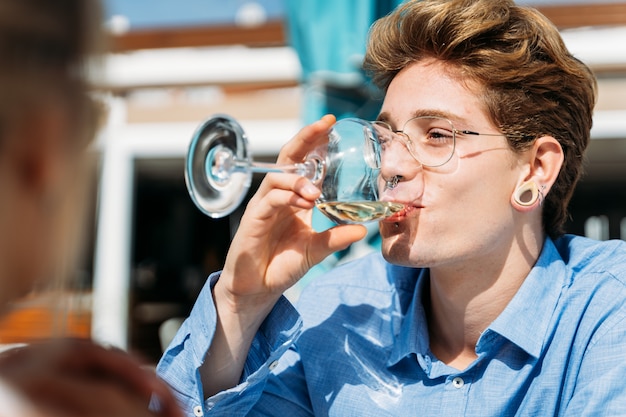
(275, 244)
(77, 378)
(273, 248)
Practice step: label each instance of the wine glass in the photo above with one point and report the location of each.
(219, 168)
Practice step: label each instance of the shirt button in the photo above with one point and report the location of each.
(273, 365)
(458, 382)
(197, 411)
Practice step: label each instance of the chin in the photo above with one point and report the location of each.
(399, 257)
(395, 247)
(402, 246)
(390, 229)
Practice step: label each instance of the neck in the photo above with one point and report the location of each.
(465, 300)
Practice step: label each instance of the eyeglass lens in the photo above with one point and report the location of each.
(429, 139)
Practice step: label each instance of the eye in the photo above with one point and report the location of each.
(438, 137)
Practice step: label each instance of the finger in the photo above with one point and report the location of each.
(280, 190)
(55, 372)
(111, 363)
(335, 239)
(91, 395)
(305, 140)
(291, 182)
(165, 403)
(70, 395)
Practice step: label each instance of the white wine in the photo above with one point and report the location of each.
(358, 211)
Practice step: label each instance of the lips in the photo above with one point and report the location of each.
(394, 218)
(402, 214)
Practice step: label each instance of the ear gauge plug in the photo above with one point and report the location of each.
(527, 194)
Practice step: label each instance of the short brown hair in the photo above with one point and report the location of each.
(532, 85)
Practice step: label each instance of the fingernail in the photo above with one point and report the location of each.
(310, 188)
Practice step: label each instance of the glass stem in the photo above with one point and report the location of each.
(311, 168)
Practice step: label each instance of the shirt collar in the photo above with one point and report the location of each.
(413, 336)
(528, 316)
(525, 321)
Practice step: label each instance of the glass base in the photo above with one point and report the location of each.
(216, 185)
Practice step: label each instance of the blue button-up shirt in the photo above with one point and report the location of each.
(358, 346)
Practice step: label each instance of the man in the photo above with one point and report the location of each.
(478, 304)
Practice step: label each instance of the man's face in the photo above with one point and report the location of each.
(459, 212)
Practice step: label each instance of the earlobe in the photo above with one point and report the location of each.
(528, 195)
(546, 159)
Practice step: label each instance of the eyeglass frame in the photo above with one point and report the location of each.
(408, 143)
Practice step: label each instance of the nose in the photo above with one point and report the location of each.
(396, 159)
(397, 164)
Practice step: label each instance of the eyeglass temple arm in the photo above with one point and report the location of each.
(470, 132)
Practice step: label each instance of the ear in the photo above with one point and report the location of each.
(545, 160)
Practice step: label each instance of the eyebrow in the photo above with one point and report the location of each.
(386, 117)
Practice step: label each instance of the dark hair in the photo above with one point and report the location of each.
(44, 49)
(532, 85)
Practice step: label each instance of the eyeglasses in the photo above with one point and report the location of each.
(430, 140)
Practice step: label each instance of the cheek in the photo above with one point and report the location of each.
(480, 184)
(474, 206)
(476, 211)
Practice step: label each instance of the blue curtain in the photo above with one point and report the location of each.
(330, 38)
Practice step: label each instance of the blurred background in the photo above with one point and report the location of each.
(274, 65)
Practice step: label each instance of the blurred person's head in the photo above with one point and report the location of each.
(528, 83)
(46, 122)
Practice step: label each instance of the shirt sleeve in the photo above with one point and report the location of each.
(180, 364)
(600, 388)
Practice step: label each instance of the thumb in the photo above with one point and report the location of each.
(335, 239)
